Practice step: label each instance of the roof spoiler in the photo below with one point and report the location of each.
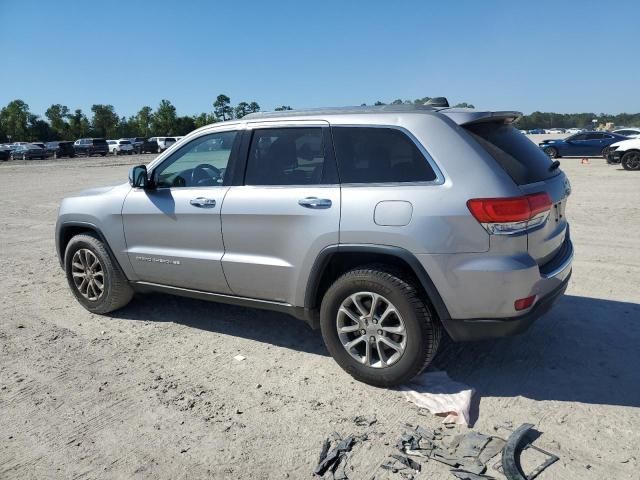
(468, 117)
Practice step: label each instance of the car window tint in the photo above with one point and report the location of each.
(577, 137)
(523, 161)
(594, 136)
(379, 155)
(286, 156)
(200, 163)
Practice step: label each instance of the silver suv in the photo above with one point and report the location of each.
(382, 226)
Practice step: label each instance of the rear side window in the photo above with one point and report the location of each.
(379, 155)
(287, 156)
(99, 141)
(522, 159)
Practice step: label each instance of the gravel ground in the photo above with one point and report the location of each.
(154, 391)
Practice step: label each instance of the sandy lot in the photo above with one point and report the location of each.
(154, 391)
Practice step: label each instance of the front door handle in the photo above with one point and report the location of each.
(202, 202)
(314, 202)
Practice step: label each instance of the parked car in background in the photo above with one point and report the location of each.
(574, 130)
(59, 149)
(136, 143)
(91, 146)
(5, 152)
(626, 152)
(164, 142)
(587, 144)
(537, 131)
(120, 147)
(556, 130)
(28, 152)
(630, 132)
(149, 146)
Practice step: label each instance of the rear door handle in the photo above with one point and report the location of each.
(202, 202)
(314, 202)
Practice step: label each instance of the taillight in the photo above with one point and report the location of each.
(524, 303)
(504, 216)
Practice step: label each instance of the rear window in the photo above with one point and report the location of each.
(379, 155)
(522, 159)
(169, 139)
(99, 141)
(125, 142)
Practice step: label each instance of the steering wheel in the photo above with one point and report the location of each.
(204, 172)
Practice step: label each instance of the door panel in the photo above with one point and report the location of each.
(174, 242)
(283, 210)
(272, 241)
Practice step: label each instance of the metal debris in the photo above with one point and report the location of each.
(364, 421)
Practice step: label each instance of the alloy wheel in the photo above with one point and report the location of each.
(371, 329)
(87, 273)
(633, 161)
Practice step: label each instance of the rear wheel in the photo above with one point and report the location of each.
(94, 279)
(377, 327)
(605, 152)
(551, 152)
(631, 161)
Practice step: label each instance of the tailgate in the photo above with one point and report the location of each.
(533, 172)
(547, 240)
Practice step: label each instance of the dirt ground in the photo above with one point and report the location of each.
(154, 391)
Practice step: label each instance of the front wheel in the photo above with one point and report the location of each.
(551, 152)
(605, 152)
(377, 327)
(631, 161)
(94, 279)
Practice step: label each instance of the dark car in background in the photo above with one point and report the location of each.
(59, 149)
(91, 146)
(137, 143)
(5, 153)
(28, 152)
(148, 146)
(586, 144)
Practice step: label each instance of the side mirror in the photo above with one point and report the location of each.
(138, 177)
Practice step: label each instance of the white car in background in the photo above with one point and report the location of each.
(120, 147)
(163, 142)
(626, 152)
(630, 132)
(574, 130)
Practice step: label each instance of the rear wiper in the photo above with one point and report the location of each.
(554, 165)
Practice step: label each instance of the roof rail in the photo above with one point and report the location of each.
(400, 108)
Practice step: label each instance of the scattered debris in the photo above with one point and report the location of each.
(464, 475)
(364, 421)
(239, 358)
(406, 467)
(516, 443)
(330, 460)
(436, 392)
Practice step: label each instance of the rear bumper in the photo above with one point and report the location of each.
(481, 328)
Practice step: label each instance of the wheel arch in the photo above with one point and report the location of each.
(67, 230)
(335, 260)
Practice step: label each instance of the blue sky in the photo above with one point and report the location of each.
(564, 56)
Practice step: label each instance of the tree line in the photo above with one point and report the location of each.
(18, 123)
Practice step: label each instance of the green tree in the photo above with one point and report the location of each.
(204, 119)
(78, 124)
(242, 109)
(15, 120)
(39, 130)
(163, 121)
(104, 121)
(143, 121)
(222, 108)
(282, 108)
(184, 125)
(379, 103)
(58, 119)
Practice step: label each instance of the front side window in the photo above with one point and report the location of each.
(200, 163)
(379, 155)
(287, 156)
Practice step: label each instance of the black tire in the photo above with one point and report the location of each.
(116, 294)
(551, 152)
(631, 161)
(605, 152)
(423, 331)
(103, 154)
